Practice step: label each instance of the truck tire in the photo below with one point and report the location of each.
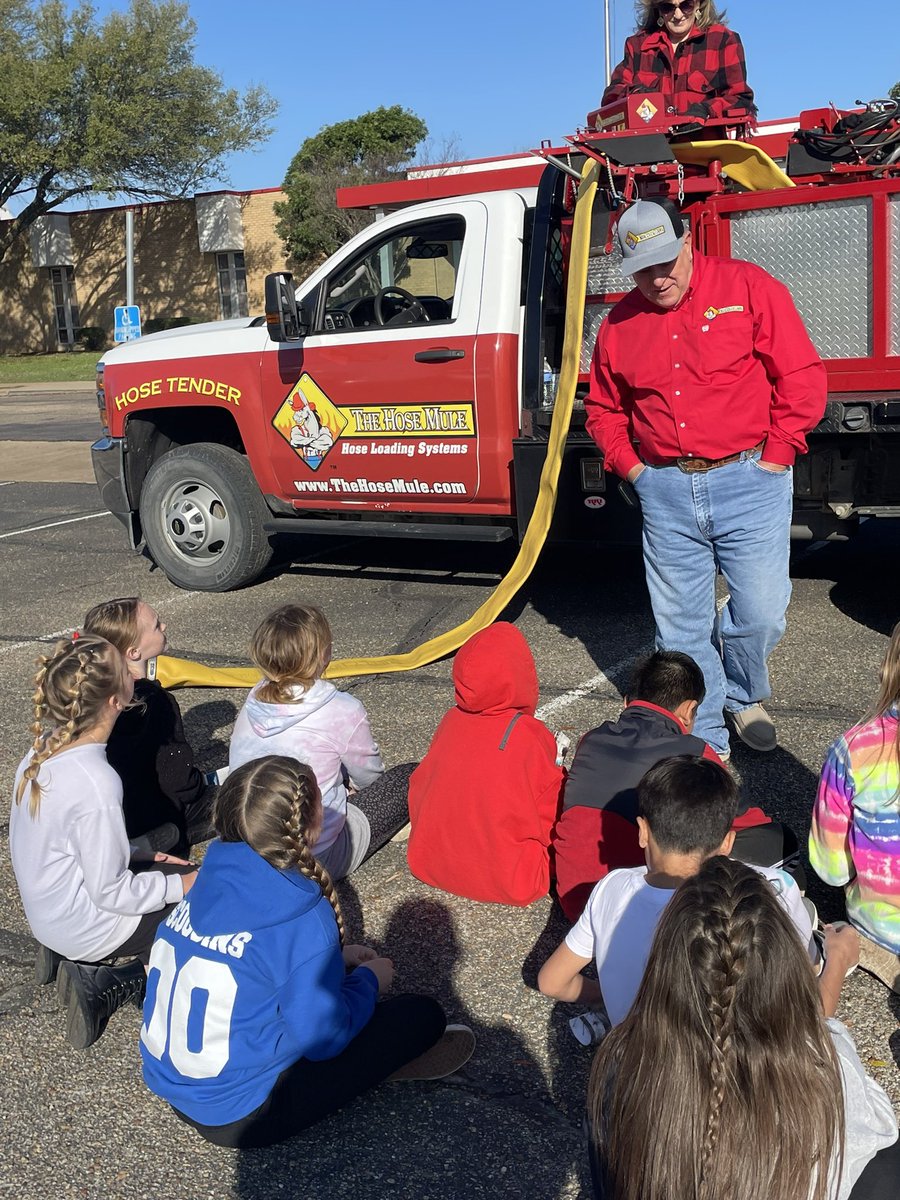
(202, 515)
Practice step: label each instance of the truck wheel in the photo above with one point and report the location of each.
(202, 516)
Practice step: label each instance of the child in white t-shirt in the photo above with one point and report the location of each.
(686, 806)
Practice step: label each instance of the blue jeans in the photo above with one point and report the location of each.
(735, 519)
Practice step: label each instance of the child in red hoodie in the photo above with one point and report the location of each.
(483, 800)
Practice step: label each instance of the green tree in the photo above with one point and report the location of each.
(117, 106)
(372, 148)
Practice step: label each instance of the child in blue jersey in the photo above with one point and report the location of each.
(258, 1021)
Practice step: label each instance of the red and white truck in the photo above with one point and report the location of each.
(406, 387)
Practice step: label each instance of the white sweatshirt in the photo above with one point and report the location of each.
(71, 861)
(324, 728)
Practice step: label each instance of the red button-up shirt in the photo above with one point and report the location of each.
(730, 366)
(703, 76)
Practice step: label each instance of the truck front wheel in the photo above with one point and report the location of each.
(202, 516)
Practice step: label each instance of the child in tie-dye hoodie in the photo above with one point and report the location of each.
(854, 841)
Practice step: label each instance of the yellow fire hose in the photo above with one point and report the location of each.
(180, 672)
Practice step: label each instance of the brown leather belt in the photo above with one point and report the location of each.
(696, 466)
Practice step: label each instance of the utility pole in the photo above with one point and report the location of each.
(129, 255)
(606, 40)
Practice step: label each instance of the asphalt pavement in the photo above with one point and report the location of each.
(81, 1124)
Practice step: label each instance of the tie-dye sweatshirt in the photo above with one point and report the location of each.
(855, 834)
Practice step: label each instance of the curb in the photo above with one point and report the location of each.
(84, 387)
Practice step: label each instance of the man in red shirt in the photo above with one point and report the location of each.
(704, 384)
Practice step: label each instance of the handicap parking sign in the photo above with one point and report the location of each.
(128, 323)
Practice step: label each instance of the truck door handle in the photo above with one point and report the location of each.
(439, 355)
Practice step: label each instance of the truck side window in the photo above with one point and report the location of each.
(405, 278)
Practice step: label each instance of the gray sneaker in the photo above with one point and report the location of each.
(450, 1052)
(755, 728)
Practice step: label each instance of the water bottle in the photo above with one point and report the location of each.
(551, 379)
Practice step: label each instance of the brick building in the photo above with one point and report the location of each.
(201, 259)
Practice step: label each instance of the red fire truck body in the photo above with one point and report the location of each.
(406, 387)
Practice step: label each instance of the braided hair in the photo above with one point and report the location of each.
(72, 684)
(291, 647)
(274, 805)
(691, 1095)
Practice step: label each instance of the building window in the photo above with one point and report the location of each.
(62, 280)
(232, 284)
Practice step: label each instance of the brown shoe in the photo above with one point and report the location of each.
(450, 1052)
(883, 964)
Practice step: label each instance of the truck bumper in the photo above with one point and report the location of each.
(108, 459)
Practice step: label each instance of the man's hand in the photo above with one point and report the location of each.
(635, 471)
(772, 468)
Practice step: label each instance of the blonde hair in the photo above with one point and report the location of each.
(289, 647)
(115, 620)
(888, 691)
(71, 687)
(273, 804)
(706, 14)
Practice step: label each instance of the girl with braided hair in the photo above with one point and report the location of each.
(69, 849)
(258, 1020)
(730, 1077)
(295, 711)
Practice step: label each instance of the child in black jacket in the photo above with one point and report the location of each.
(147, 747)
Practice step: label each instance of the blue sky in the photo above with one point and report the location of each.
(500, 75)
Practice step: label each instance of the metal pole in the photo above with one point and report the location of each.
(606, 38)
(129, 256)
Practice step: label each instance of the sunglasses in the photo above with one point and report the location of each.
(687, 7)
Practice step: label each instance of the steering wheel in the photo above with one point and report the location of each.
(410, 305)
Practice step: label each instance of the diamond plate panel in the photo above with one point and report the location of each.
(593, 318)
(605, 273)
(894, 223)
(823, 253)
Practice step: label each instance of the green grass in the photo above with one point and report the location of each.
(48, 368)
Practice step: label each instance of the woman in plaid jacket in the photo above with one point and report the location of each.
(685, 52)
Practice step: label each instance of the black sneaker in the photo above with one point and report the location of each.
(93, 994)
(46, 964)
(163, 838)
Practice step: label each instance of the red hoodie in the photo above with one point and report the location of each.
(483, 800)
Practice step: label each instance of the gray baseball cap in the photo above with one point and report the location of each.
(649, 234)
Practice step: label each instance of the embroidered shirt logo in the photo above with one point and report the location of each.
(711, 313)
(635, 239)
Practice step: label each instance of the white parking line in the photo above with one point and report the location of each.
(592, 685)
(558, 703)
(53, 524)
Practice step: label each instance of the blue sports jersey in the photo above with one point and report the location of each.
(246, 977)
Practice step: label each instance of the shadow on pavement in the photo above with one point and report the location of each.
(484, 1132)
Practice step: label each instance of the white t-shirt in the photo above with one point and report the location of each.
(71, 861)
(619, 920)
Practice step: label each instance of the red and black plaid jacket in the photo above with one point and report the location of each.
(704, 76)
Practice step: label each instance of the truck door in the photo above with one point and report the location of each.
(380, 406)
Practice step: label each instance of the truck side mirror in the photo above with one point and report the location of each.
(286, 321)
